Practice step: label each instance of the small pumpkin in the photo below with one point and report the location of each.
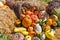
(27, 21)
(49, 22)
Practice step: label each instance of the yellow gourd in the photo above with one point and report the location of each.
(49, 34)
(25, 33)
(17, 22)
(27, 38)
(20, 29)
(46, 27)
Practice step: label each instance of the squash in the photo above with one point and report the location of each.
(46, 27)
(17, 22)
(35, 38)
(54, 17)
(25, 33)
(20, 29)
(27, 22)
(49, 34)
(38, 29)
(41, 36)
(49, 22)
(27, 38)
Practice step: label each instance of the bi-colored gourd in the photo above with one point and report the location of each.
(21, 30)
(38, 29)
(46, 27)
(49, 34)
(27, 38)
(27, 22)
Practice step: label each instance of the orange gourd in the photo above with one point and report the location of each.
(30, 29)
(31, 33)
(27, 21)
(49, 22)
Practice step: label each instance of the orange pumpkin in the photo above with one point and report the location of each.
(27, 21)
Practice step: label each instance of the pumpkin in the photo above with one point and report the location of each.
(27, 21)
(49, 22)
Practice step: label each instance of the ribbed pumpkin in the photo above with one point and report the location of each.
(27, 21)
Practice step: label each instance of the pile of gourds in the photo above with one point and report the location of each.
(35, 23)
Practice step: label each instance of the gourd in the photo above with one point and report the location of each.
(46, 27)
(41, 36)
(49, 22)
(27, 38)
(27, 22)
(38, 29)
(50, 34)
(19, 29)
(54, 18)
(35, 38)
